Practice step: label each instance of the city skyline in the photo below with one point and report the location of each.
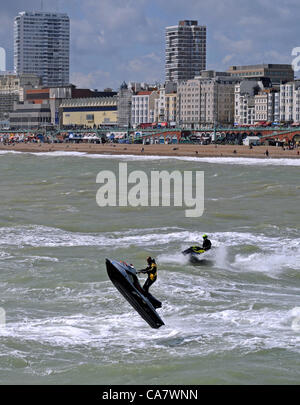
(102, 56)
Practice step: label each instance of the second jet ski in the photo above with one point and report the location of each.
(194, 253)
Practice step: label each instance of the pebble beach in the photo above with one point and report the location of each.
(158, 150)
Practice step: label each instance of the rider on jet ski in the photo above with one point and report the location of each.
(206, 243)
(151, 270)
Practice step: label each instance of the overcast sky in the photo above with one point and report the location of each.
(117, 40)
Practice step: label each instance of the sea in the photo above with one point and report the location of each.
(231, 319)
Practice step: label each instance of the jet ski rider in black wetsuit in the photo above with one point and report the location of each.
(151, 270)
(206, 243)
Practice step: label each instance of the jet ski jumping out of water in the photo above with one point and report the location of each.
(124, 277)
(195, 252)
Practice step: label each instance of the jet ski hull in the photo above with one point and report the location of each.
(194, 254)
(125, 280)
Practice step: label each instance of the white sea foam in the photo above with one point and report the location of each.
(5, 152)
(221, 257)
(250, 161)
(271, 263)
(202, 315)
(43, 236)
(213, 160)
(119, 332)
(173, 259)
(51, 237)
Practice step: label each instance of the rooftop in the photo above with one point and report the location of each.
(260, 66)
(92, 101)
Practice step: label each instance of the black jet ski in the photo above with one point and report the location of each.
(124, 277)
(194, 253)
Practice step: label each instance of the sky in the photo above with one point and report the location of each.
(124, 40)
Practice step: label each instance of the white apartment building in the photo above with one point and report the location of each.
(277, 107)
(185, 51)
(296, 104)
(207, 100)
(165, 104)
(290, 102)
(246, 111)
(244, 101)
(261, 107)
(42, 46)
(143, 107)
(286, 102)
(265, 102)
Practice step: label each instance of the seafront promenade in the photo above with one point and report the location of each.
(282, 136)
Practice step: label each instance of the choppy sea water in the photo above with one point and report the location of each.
(232, 319)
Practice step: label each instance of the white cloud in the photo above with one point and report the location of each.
(252, 20)
(235, 45)
(277, 57)
(227, 59)
(93, 80)
(148, 68)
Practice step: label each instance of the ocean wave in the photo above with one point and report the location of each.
(43, 236)
(244, 161)
(192, 315)
(38, 235)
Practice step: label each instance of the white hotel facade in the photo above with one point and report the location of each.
(290, 102)
(143, 107)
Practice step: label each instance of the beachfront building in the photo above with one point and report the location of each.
(287, 102)
(165, 107)
(261, 107)
(30, 116)
(277, 107)
(265, 102)
(54, 96)
(244, 101)
(185, 51)
(42, 46)
(206, 100)
(90, 112)
(12, 89)
(290, 102)
(276, 73)
(246, 114)
(296, 102)
(171, 108)
(159, 106)
(124, 106)
(143, 105)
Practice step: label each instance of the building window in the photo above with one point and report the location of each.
(90, 117)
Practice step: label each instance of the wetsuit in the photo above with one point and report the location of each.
(206, 244)
(151, 270)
